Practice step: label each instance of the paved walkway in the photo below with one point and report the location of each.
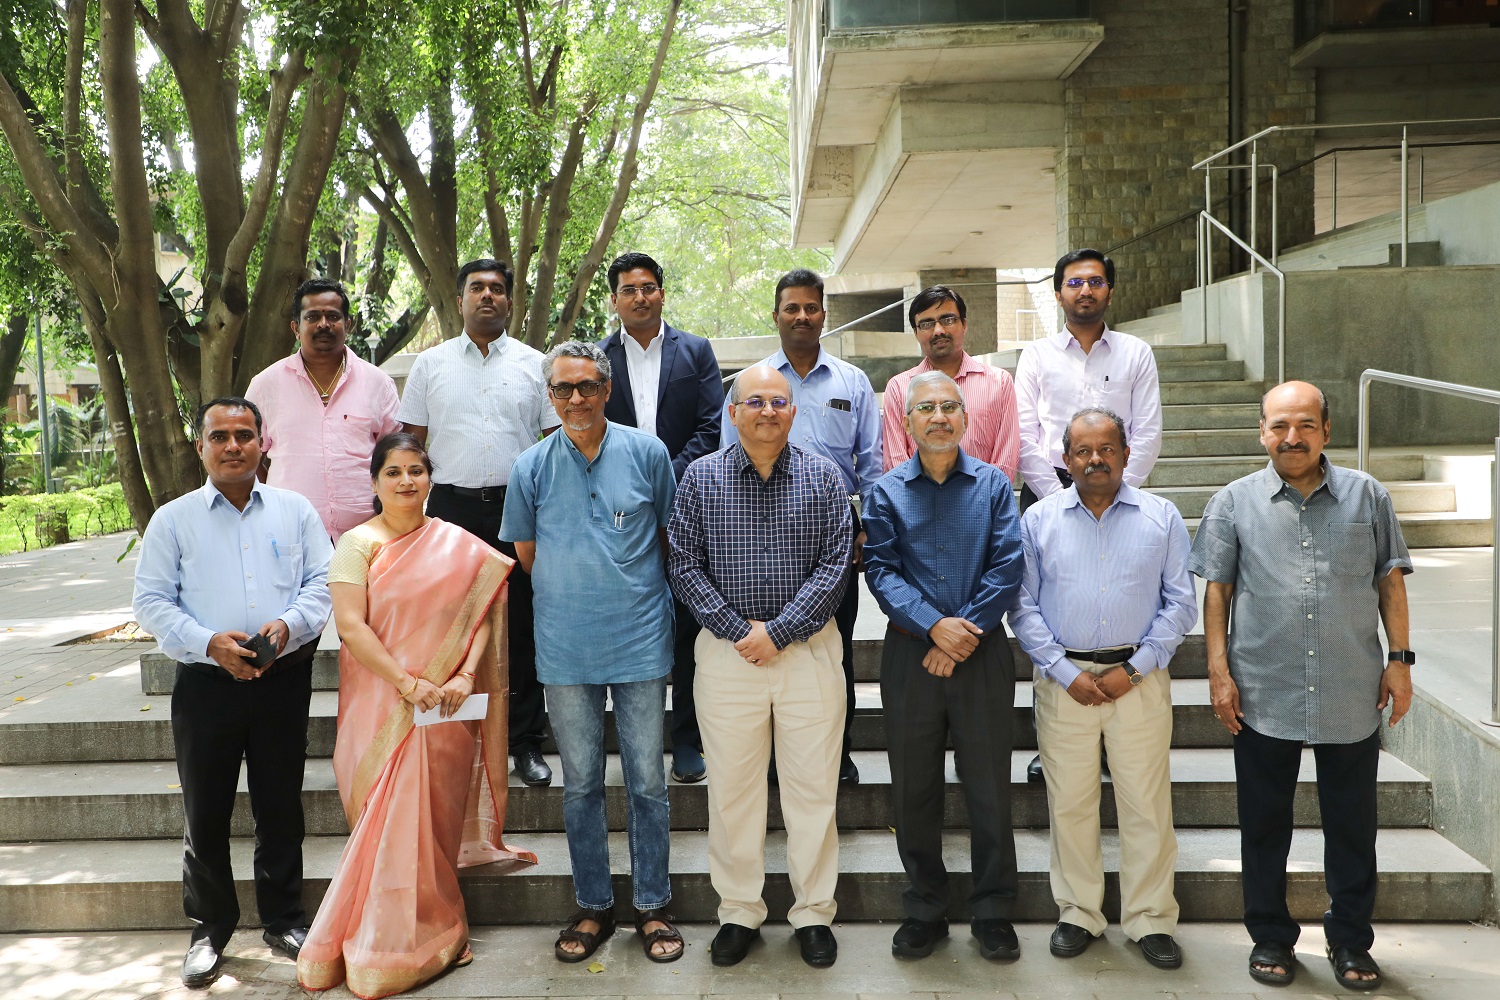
(53, 596)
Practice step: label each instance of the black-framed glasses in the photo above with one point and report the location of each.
(1093, 282)
(948, 407)
(631, 291)
(948, 320)
(565, 390)
(757, 404)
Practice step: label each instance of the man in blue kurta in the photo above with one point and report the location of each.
(587, 510)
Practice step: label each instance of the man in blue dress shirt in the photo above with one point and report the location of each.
(1105, 601)
(587, 511)
(760, 536)
(836, 418)
(943, 558)
(233, 559)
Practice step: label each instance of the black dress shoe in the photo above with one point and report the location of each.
(1034, 771)
(532, 770)
(1161, 951)
(915, 938)
(848, 773)
(289, 942)
(732, 944)
(1070, 940)
(200, 967)
(819, 949)
(997, 938)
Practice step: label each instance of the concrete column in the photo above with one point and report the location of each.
(981, 300)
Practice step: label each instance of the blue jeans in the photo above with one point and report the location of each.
(577, 715)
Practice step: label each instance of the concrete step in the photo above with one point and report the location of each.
(1210, 416)
(1438, 531)
(158, 670)
(1220, 470)
(1175, 393)
(141, 800)
(1200, 371)
(1406, 497)
(1227, 441)
(126, 733)
(119, 885)
(1158, 331)
(1171, 309)
(1168, 353)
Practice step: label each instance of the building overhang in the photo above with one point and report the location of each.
(1458, 43)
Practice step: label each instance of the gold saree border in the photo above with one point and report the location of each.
(399, 724)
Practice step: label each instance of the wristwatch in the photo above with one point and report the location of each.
(1405, 656)
(1135, 675)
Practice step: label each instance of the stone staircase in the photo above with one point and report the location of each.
(91, 822)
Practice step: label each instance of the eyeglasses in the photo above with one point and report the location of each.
(564, 390)
(1094, 282)
(631, 291)
(331, 315)
(947, 406)
(757, 404)
(949, 321)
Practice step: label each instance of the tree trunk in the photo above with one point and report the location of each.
(559, 211)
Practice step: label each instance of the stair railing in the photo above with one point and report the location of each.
(1206, 224)
(1492, 397)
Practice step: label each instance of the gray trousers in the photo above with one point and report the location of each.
(975, 705)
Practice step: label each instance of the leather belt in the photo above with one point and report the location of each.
(484, 494)
(300, 657)
(910, 635)
(1101, 655)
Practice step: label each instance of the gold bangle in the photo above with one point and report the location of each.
(465, 673)
(408, 690)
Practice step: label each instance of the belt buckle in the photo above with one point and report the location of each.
(485, 491)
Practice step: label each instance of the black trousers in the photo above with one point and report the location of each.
(1027, 497)
(975, 705)
(1266, 772)
(844, 618)
(216, 723)
(528, 709)
(684, 669)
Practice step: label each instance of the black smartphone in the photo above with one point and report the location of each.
(263, 648)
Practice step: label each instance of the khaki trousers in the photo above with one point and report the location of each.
(1137, 732)
(797, 702)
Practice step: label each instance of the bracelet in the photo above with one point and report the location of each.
(408, 690)
(468, 674)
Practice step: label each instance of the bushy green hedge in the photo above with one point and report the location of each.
(96, 510)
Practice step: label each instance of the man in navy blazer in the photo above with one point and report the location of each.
(666, 382)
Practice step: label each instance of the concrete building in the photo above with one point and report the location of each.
(957, 141)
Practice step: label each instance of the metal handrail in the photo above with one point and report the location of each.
(1205, 258)
(1492, 397)
(1308, 128)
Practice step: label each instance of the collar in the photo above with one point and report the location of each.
(655, 342)
(1062, 338)
(562, 432)
(780, 362)
(1273, 484)
(967, 365)
(741, 461)
(497, 346)
(911, 469)
(211, 495)
(1127, 495)
(297, 363)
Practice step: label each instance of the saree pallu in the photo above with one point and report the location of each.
(421, 802)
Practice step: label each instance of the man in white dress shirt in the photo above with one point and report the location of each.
(477, 402)
(1083, 365)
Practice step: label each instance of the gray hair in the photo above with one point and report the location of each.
(934, 377)
(576, 349)
(734, 386)
(1093, 411)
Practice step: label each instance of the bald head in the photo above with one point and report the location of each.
(1296, 393)
(760, 378)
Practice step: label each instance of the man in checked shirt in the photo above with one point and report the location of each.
(1307, 554)
(760, 539)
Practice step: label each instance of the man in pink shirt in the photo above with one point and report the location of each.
(324, 410)
(939, 319)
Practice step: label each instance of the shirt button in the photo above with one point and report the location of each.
(252, 604)
(1306, 544)
(1309, 617)
(247, 548)
(942, 578)
(1312, 652)
(1104, 621)
(940, 548)
(1312, 689)
(1103, 589)
(595, 496)
(1307, 579)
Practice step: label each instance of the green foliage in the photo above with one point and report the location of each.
(97, 510)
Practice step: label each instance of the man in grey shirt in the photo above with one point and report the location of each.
(1306, 554)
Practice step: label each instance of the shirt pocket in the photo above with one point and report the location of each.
(1351, 549)
(1142, 566)
(838, 431)
(287, 557)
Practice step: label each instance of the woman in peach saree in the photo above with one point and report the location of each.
(420, 606)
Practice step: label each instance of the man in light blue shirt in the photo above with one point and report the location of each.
(1105, 601)
(234, 559)
(587, 511)
(836, 418)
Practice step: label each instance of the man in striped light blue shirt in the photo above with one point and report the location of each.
(1105, 601)
(944, 560)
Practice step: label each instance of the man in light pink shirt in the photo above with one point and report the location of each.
(939, 319)
(324, 409)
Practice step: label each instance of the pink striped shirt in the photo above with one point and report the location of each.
(323, 452)
(993, 434)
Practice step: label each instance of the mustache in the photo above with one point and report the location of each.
(1094, 467)
(1283, 448)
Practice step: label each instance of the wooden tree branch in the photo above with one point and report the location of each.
(495, 215)
(286, 80)
(399, 232)
(77, 12)
(628, 169)
(559, 210)
(527, 76)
